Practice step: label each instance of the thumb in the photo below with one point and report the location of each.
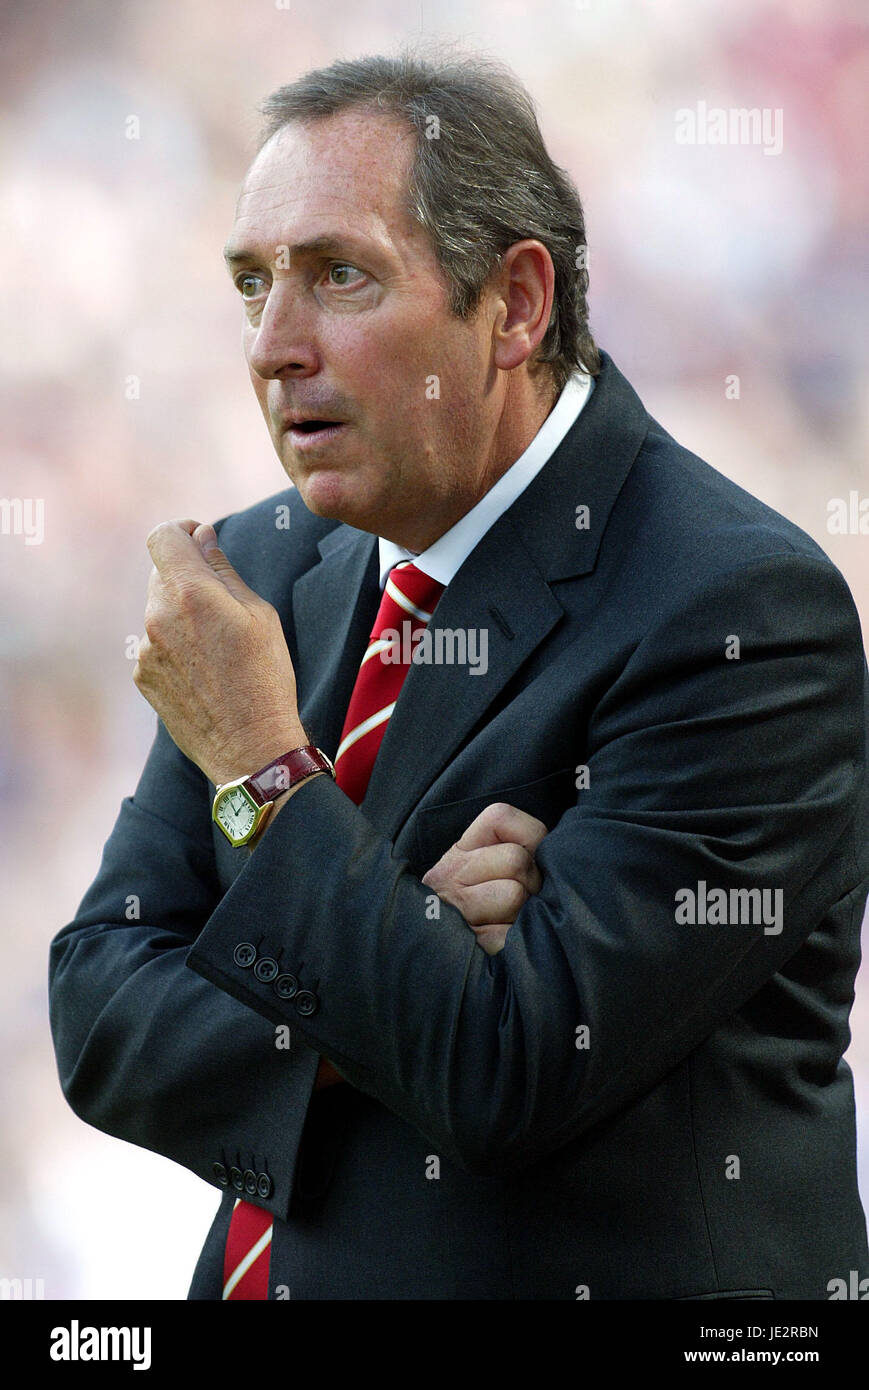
(206, 538)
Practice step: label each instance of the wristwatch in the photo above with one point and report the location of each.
(241, 808)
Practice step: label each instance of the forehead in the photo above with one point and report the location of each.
(344, 172)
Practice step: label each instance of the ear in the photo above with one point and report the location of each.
(524, 290)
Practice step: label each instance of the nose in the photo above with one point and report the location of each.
(282, 344)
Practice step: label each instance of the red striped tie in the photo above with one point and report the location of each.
(409, 598)
(408, 601)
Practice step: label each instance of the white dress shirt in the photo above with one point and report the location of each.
(442, 560)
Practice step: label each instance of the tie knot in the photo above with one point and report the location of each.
(414, 592)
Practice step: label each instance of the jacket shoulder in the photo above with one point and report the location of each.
(689, 519)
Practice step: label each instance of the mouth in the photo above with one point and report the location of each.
(306, 433)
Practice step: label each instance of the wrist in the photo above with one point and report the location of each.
(278, 805)
(244, 805)
(246, 761)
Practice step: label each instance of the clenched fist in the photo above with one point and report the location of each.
(490, 873)
(214, 662)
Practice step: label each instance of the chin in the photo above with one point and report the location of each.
(328, 495)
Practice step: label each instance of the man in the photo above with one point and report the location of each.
(647, 756)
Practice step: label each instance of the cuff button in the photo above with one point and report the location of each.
(244, 954)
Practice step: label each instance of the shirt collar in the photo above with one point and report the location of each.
(447, 554)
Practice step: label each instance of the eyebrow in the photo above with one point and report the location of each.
(322, 245)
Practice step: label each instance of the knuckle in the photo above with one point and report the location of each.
(186, 595)
(492, 938)
(518, 859)
(461, 865)
(509, 820)
(493, 817)
(461, 900)
(435, 876)
(180, 585)
(452, 860)
(515, 895)
(155, 626)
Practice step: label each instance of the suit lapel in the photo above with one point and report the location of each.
(334, 607)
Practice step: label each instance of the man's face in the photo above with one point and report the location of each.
(348, 320)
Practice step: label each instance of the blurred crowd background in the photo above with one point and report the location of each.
(125, 402)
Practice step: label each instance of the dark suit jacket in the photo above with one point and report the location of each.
(702, 1143)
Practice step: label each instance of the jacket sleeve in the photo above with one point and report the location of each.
(147, 1050)
(706, 771)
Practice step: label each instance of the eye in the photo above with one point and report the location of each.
(248, 285)
(339, 268)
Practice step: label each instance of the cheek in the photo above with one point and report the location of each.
(392, 354)
(260, 389)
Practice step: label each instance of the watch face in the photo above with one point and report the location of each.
(236, 814)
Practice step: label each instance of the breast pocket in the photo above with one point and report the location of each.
(438, 827)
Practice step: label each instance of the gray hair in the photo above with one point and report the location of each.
(487, 184)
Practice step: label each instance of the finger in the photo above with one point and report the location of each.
(498, 861)
(173, 549)
(492, 938)
(493, 900)
(483, 904)
(206, 538)
(179, 554)
(155, 585)
(500, 823)
(156, 600)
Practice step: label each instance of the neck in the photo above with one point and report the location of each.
(524, 407)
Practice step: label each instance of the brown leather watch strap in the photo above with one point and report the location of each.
(286, 771)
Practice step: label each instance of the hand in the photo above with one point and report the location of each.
(490, 873)
(214, 662)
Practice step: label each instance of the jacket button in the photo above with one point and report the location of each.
(236, 1177)
(264, 1185)
(221, 1174)
(244, 954)
(265, 969)
(306, 1002)
(285, 986)
(250, 1186)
